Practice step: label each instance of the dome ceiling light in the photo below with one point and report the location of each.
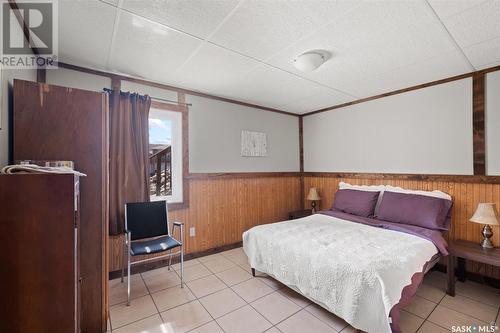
(309, 61)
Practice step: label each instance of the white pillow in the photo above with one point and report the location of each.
(369, 188)
(435, 193)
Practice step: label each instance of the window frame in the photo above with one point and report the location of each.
(184, 110)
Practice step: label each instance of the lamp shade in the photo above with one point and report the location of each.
(313, 194)
(486, 213)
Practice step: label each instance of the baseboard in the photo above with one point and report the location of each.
(492, 282)
(147, 266)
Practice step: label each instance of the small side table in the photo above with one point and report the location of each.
(299, 213)
(466, 250)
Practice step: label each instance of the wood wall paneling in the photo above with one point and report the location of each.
(222, 209)
(465, 196)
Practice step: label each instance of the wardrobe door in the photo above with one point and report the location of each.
(38, 257)
(59, 123)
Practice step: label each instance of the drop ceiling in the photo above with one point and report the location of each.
(244, 50)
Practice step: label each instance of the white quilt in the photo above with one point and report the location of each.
(355, 271)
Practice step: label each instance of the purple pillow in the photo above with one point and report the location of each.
(360, 203)
(420, 210)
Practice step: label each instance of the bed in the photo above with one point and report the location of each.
(362, 269)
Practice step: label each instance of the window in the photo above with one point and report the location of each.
(165, 154)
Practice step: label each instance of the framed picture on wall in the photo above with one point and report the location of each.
(253, 144)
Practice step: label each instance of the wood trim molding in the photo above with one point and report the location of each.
(400, 91)
(478, 126)
(168, 106)
(415, 177)
(171, 88)
(41, 75)
(230, 175)
(183, 108)
(301, 160)
(382, 176)
(301, 143)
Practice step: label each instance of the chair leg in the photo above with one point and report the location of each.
(182, 266)
(128, 274)
(170, 260)
(125, 248)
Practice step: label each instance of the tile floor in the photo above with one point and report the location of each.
(222, 296)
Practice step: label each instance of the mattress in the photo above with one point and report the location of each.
(356, 271)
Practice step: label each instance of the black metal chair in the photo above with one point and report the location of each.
(147, 232)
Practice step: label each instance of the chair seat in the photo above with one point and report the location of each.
(156, 245)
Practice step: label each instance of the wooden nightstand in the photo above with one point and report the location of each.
(299, 213)
(462, 250)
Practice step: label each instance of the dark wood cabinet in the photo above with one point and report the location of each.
(39, 257)
(59, 123)
(299, 213)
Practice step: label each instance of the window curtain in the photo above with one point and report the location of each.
(128, 155)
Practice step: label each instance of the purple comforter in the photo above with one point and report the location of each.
(434, 236)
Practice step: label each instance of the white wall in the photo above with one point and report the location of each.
(493, 123)
(7, 78)
(215, 138)
(426, 131)
(214, 127)
(75, 79)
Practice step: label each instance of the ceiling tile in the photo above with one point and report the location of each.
(150, 50)
(213, 69)
(261, 28)
(369, 41)
(85, 32)
(440, 67)
(111, 2)
(196, 17)
(272, 87)
(485, 54)
(445, 8)
(476, 24)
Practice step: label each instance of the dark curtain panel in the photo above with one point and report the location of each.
(128, 155)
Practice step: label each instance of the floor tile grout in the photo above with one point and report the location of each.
(230, 287)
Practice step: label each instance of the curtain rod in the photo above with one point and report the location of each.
(157, 98)
(170, 101)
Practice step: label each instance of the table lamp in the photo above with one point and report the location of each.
(486, 214)
(313, 196)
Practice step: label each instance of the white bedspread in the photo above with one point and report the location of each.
(355, 271)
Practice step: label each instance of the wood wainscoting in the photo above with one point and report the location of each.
(221, 209)
(466, 196)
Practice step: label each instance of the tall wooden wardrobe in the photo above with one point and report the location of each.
(39, 226)
(59, 123)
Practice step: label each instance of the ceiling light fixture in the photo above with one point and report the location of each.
(309, 61)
